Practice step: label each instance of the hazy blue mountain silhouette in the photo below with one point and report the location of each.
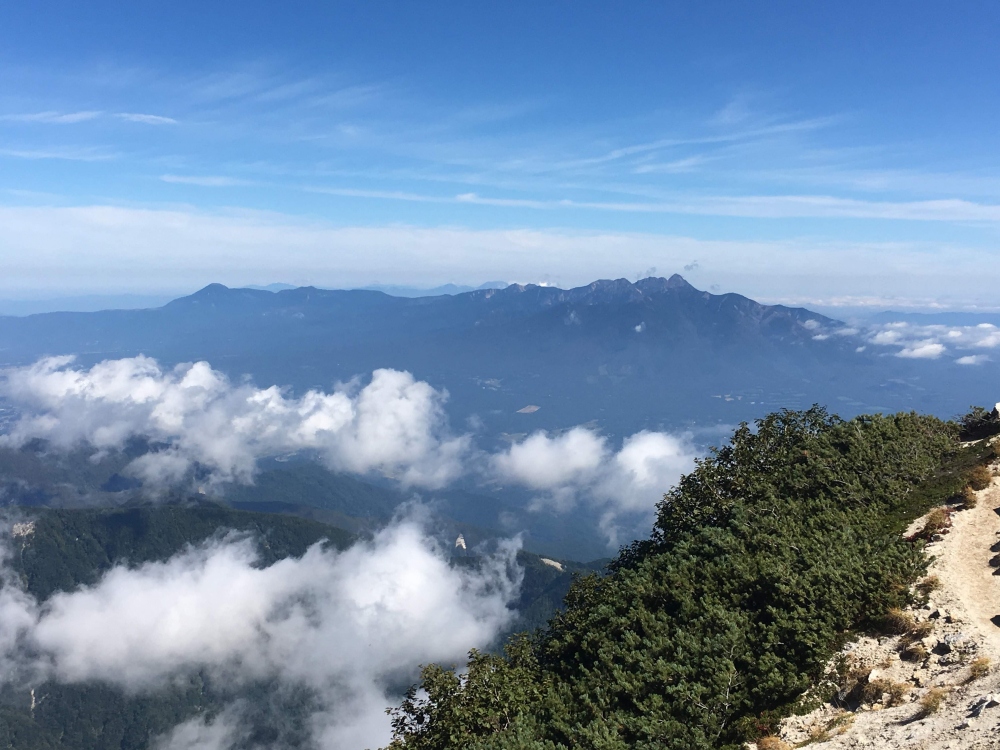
(622, 355)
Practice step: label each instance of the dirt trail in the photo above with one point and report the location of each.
(962, 563)
(961, 614)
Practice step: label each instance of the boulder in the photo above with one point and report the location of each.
(986, 701)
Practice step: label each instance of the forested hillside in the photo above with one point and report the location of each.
(59, 550)
(68, 548)
(760, 563)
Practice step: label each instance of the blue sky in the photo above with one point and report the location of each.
(829, 154)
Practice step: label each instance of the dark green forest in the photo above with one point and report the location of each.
(760, 563)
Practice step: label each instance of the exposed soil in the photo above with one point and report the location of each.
(961, 623)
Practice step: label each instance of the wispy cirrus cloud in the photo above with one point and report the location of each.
(53, 118)
(699, 140)
(761, 206)
(86, 153)
(754, 207)
(70, 118)
(404, 138)
(146, 119)
(207, 180)
(678, 166)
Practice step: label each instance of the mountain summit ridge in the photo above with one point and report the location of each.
(515, 299)
(629, 354)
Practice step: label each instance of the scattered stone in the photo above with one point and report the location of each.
(987, 701)
(951, 642)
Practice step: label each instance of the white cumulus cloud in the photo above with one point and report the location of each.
(579, 465)
(146, 119)
(345, 625)
(972, 359)
(199, 422)
(394, 424)
(922, 350)
(932, 341)
(542, 462)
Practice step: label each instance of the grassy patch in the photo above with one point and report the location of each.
(979, 668)
(897, 622)
(969, 498)
(980, 478)
(931, 702)
(914, 652)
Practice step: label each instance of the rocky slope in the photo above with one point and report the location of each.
(936, 686)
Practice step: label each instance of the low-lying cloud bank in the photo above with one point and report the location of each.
(344, 625)
(968, 345)
(395, 425)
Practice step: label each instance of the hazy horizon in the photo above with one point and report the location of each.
(817, 156)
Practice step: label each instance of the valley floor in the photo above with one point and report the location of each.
(963, 624)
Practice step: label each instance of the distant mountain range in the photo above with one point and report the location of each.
(437, 291)
(621, 355)
(396, 290)
(83, 303)
(95, 302)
